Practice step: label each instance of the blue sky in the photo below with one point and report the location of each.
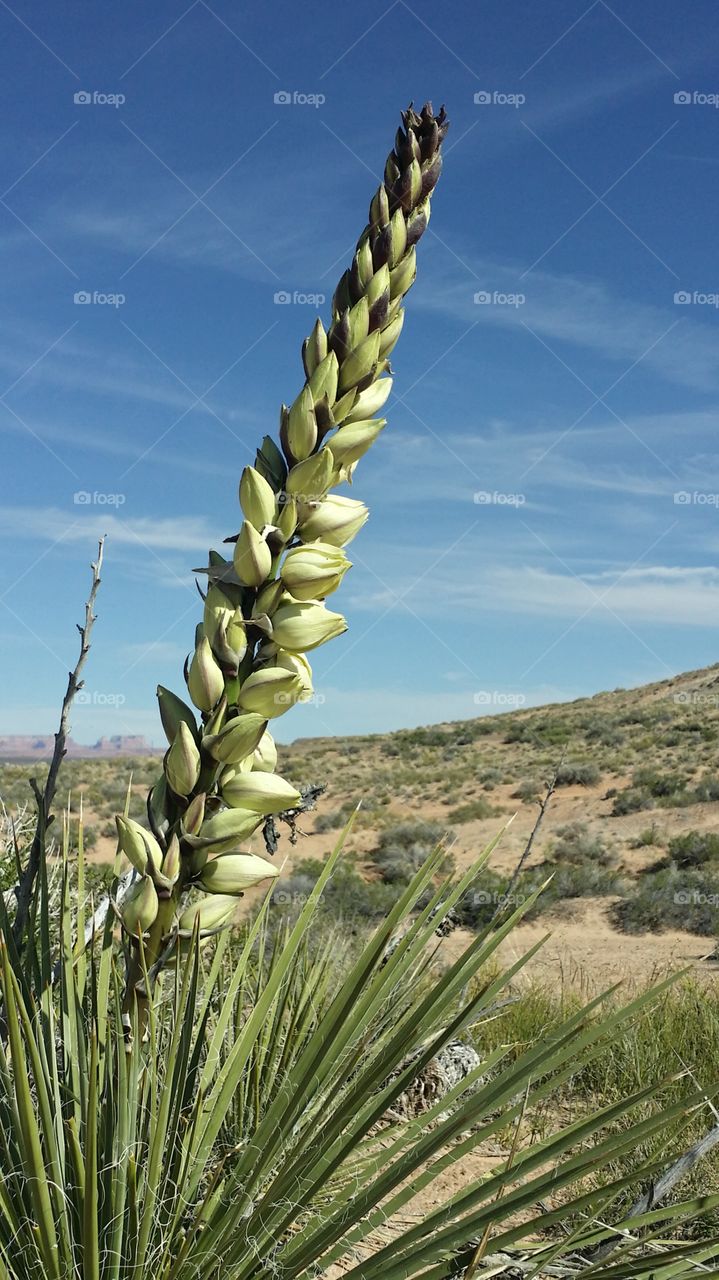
(526, 543)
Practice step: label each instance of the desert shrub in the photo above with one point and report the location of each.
(404, 847)
(694, 848)
(647, 838)
(631, 800)
(707, 789)
(575, 845)
(529, 789)
(472, 810)
(578, 774)
(671, 898)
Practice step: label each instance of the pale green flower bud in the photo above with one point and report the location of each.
(352, 441)
(313, 571)
(139, 907)
(194, 815)
(230, 642)
(218, 609)
(264, 757)
(303, 625)
(298, 664)
(171, 862)
(257, 498)
(205, 680)
(226, 829)
(138, 845)
(235, 872)
(173, 711)
(369, 402)
(358, 321)
(252, 558)
(265, 793)
(324, 379)
(182, 763)
(301, 430)
(337, 520)
(209, 914)
(270, 692)
(398, 239)
(287, 517)
(390, 335)
(314, 348)
(237, 740)
(312, 478)
(403, 276)
(268, 598)
(360, 362)
(378, 285)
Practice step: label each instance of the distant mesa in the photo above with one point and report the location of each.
(31, 747)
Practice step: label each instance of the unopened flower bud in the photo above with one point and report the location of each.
(287, 517)
(270, 464)
(352, 441)
(403, 276)
(205, 680)
(182, 763)
(270, 691)
(314, 348)
(303, 625)
(237, 739)
(314, 570)
(369, 402)
(194, 815)
(390, 335)
(173, 711)
(360, 362)
(325, 378)
(138, 845)
(252, 558)
(264, 757)
(235, 872)
(301, 430)
(298, 664)
(311, 478)
(139, 907)
(337, 520)
(226, 829)
(265, 793)
(172, 861)
(257, 498)
(209, 914)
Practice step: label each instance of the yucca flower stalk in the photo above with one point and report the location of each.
(264, 609)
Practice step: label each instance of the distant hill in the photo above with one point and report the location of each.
(19, 746)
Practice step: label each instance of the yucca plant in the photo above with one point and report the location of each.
(248, 1136)
(222, 1106)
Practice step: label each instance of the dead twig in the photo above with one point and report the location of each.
(45, 797)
